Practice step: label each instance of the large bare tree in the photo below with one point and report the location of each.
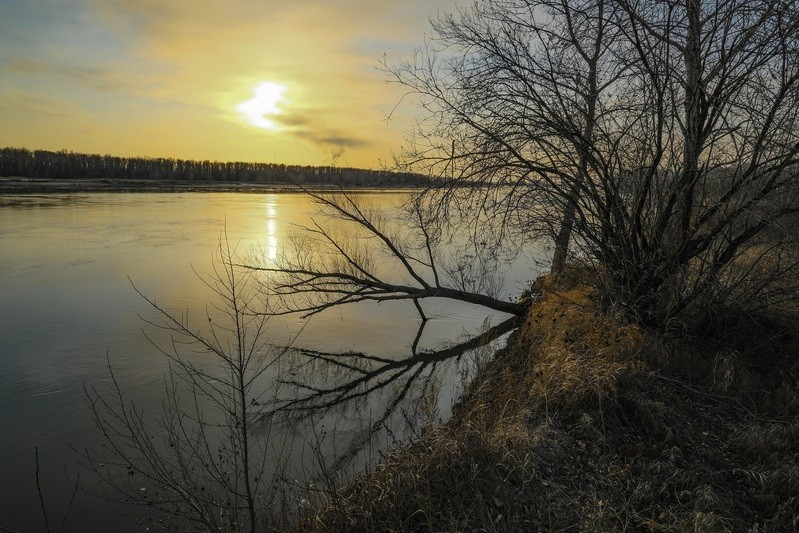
(663, 134)
(655, 140)
(512, 94)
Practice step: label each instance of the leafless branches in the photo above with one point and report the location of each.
(352, 254)
(208, 463)
(210, 460)
(378, 260)
(663, 134)
(368, 373)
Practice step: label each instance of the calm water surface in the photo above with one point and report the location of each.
(66, 302)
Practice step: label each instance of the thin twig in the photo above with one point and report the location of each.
(39, 491)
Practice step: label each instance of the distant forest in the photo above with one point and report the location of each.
(64, 165)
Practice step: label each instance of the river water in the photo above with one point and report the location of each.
(67, 306)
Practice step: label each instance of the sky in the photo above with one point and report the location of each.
(278, 81)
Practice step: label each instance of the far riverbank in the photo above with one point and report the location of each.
(22, 185)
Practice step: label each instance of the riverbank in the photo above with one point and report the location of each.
(21, 185)
(584, 423)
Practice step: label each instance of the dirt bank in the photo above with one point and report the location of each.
(585, 423)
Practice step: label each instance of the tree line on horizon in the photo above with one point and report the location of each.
(66, 165)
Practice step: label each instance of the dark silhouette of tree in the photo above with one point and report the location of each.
(661, 135)
(63, 165)
(212, 461)
(657, 141)
(511, 93)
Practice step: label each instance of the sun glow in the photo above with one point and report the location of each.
(262, 106)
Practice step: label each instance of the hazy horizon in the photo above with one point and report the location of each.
(259, 81)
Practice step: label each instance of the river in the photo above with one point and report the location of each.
(67, 306)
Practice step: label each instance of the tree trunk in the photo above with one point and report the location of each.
(562, 240)
(584, 146)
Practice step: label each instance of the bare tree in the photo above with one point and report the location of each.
(511, 93)
(663, 134)
(701, 186)
(657, 140)
(210, 462)
(377, 260)
(352, 254)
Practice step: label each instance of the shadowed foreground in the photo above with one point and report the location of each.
(585, 424)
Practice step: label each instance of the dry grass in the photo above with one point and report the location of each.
(585, 423)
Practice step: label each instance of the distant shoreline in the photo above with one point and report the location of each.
(22, 185)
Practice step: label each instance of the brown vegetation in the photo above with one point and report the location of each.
(587, 423)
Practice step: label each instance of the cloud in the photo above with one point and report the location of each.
(318, 42)
(169, 21)
(327, 52)
(311, 126)
(87, 76)
(332, 139)
(41, 105)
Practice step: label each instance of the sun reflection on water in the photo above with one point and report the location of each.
(271, 228)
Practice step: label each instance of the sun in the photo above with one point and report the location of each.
(258, 109)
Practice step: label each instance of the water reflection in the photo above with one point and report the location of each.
(67, 302)
(271, 227)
